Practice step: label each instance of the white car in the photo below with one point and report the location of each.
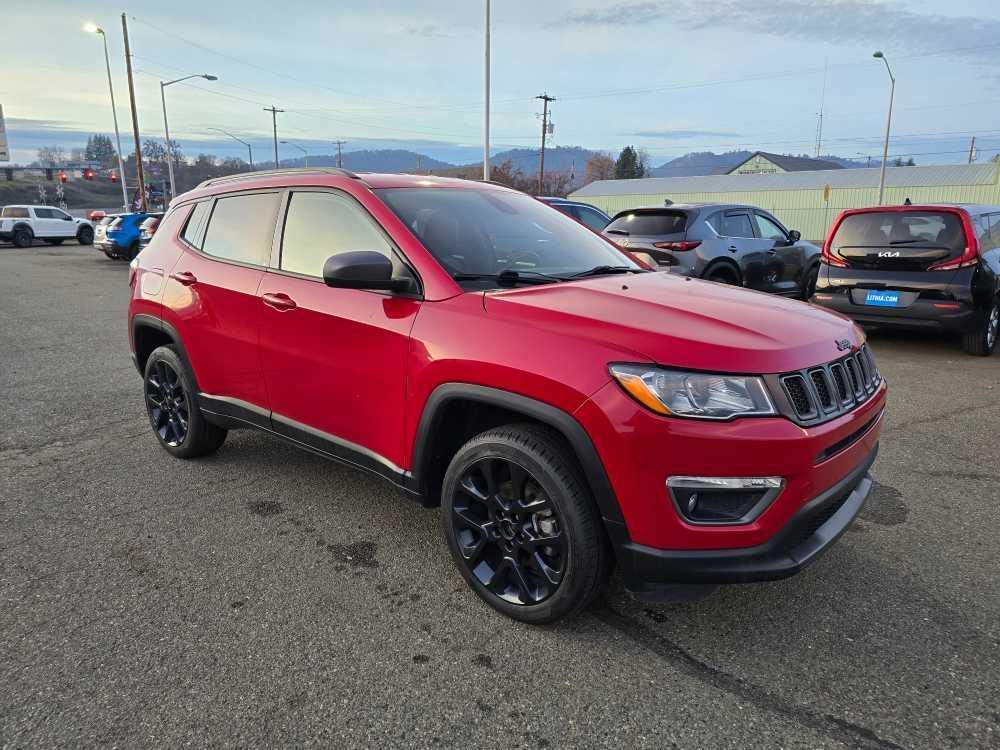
(22, 225)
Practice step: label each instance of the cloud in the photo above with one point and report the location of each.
(685, 134)
(877, 23)
(428, 30)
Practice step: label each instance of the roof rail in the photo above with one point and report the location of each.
(276, 172)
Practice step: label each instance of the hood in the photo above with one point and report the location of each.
(685, 323)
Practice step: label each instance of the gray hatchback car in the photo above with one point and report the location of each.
(732, 244)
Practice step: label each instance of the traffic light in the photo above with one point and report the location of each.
(62, 176)
(88, 174)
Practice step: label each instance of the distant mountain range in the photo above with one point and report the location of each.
(379, 160)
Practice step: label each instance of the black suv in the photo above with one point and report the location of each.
(931, 267)
(728, 243)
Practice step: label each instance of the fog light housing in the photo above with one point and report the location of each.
(714, 501)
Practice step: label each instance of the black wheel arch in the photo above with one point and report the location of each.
(727, 263)
(436, 434)
(150, 332)
(22, 225)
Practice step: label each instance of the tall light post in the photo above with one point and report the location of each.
(486, 124)
(888, 126)
(305, 153)
(166, 127)
(93, 28)
(249, 147)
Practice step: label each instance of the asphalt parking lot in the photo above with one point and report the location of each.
(265, 597)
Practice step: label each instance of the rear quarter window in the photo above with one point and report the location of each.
(13, 212)
(661, 222)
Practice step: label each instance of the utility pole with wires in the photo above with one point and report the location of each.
(486, 122)
(545, 131)
(135, 120)
(340, 158)
(822, 105)
(972, 151)
(274, 123)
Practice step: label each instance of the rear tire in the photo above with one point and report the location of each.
(982, 341)
(809, 283)
(23, 237)
(723, 274)
(521, 525)
(85, 236)
(172, 406)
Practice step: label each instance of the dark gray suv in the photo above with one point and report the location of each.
(732, 244)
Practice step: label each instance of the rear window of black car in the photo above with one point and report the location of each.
(901, 229)
(649, 223)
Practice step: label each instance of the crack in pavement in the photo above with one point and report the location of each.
(851, 734)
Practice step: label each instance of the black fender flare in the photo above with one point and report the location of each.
(559, 420)
(141, 320)
(23, 225)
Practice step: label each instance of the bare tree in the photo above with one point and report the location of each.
(51, 156)
(601, 166)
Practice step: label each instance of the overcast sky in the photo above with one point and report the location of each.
(672, 77)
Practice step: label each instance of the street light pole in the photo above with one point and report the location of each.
(305, 153)
(888, 127)
(249, 147)
(166, 127)
(94, 29)
(486, 124)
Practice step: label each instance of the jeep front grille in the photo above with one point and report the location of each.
(820, 393)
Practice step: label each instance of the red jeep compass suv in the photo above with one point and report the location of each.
(567, 408)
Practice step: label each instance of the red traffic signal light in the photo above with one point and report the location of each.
(62, 176)
(88, 174)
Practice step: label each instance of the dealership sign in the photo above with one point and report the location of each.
(4, 152)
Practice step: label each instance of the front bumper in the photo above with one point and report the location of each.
(808, 534)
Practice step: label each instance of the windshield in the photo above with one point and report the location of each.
(488, 232)
(902, 229)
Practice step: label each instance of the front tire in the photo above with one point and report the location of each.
(23, 237)
(85, 236)
(982, 341)
(521, 525)
(172, 405)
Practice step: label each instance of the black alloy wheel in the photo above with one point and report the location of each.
(167, 404)
(85, 236)
(508, 531)
(983, 340)
(23, 237)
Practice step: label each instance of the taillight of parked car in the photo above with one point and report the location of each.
(969, 256)
(681, 246)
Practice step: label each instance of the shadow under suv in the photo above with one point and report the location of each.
(567, 408)
(728, 243)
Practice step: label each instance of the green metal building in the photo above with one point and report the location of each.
(807, 201)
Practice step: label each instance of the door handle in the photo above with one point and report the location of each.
(733, 248)
(772, 252)
(184, 277)
(279, 301)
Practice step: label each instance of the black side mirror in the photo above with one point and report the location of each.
(363, 269)
(794, 235)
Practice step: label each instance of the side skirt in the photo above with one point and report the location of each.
(233, 414)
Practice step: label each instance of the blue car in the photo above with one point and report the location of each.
(120, 238)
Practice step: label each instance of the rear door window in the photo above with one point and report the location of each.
(649, 223)
(241, 228)
(736, 224)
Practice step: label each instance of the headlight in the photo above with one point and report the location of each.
(695, 395)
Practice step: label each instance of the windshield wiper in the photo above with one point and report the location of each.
(603, 270)
(509, 277)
